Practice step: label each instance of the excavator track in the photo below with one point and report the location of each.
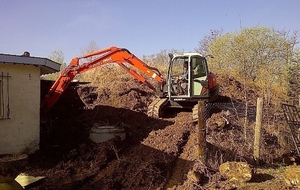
(156, 107)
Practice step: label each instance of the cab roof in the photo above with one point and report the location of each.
(187, 54)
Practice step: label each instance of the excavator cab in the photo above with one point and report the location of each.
(188, 77)
(188, 82)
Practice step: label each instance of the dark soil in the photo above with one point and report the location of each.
(156, 154)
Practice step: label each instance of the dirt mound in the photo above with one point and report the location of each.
(231, 87)
(156, 154)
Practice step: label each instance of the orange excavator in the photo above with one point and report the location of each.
(176, 91)
(100, 58)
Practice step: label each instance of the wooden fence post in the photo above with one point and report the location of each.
(201, 129)
(257, 132)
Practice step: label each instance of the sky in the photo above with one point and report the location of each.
(144, 27)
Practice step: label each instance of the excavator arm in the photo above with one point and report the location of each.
(99, 58)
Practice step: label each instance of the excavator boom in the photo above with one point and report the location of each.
(99, 58)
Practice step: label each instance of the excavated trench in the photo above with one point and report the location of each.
(156, 154)
(149, 157)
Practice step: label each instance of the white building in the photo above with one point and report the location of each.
(20, 101)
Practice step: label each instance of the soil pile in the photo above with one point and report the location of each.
(156, 154)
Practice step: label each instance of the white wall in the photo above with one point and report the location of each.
(20, 133)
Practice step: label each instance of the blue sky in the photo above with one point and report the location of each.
(144, 27)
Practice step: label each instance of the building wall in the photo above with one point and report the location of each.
(20, 133)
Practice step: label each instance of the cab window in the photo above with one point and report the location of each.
(198, 67)
(177, 66)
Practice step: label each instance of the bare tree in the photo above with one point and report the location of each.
(258, 56)
(57, 56)
(293, 73)
(203, 45)
(254, 55)
(92, 46)
(91, 75)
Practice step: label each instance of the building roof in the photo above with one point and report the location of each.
(47, 66)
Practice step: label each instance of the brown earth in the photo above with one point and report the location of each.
(157, 153)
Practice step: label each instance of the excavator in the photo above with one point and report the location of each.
(188, 81)
(176, 91)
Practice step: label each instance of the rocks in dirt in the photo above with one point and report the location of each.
(292, 176)
(236, 171)
(218, 121)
